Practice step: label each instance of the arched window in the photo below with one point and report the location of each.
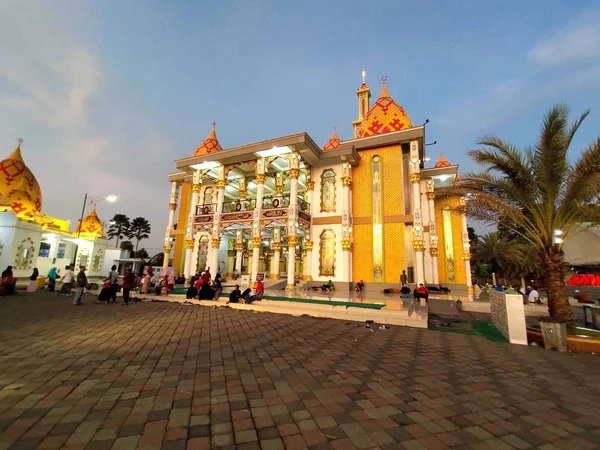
(327, 253)
(208, 196)
(328, 191)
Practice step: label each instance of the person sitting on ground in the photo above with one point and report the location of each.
(106, 292)
(245, 295)
(422, 292)
(162, 288)
(405, 290)
(582, 298)
(360, 286)
(9, 282)
(205, 292)
(236, 274)
(234, 297)
(217, 286)
(191, 292)
(328, 287)
(258, 293)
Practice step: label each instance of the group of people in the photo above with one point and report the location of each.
(236, 296)
(110, 285)
(203, 287)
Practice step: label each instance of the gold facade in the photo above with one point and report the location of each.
(327, 253)
(444, 208)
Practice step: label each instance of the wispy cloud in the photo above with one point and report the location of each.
(579, 40)
(53, 78)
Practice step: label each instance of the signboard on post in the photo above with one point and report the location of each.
(508, 315)
(245, 282)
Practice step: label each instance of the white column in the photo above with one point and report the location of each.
(172, 208)
(189, 241)
(346, 222)
(418, 243)
(239, 248)
(195, 254)
(293, 221)
(216, 231)
(308, 243)
(256, 228)
(433, 239)
(275, 262)
(230, 258)
(466, 256)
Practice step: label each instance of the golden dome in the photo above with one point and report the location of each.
(210, 144)
(91, 225)
(334, 141)
(442, 162)
(385, 116)
(19, 189)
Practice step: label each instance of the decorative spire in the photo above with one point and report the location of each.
(364, 77)
(442, 162)
(210, 144)
(334, 141)
(384, 90)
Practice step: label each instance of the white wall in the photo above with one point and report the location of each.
(583, 248)
(8, 221)
(30, 235)
(340, 274)
(316, 205)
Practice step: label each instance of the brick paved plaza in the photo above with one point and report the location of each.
(162, 375)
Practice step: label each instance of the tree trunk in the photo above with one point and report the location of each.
(137, 242)
(523, 285)
(556, 289)
(117, 244)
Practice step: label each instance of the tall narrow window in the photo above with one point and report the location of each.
(448, 245)
(328, 191)
(327, 253)
(208, 196)
(377, 217)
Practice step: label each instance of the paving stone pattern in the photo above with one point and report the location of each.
(170, 376)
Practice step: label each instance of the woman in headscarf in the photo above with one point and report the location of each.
(52, 276)
(33, 280)
(8, 282)
(147, 280)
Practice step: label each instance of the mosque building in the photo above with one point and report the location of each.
(290, 211)
(31, 239)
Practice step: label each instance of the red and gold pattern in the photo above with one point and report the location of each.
(210, 145)
(91, 225)
(385, 116)
(19, 188)
(334, 141)
(442, 162)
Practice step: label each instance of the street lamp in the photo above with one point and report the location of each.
(557, 239)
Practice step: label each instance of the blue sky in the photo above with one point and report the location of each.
(107, 94)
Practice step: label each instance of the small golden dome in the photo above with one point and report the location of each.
(334, 141)
(91, 225)
(385, 116)
(210, 144)
(19, 188)
(442, 162)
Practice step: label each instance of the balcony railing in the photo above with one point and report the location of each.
(203, 210)
(303, 205)
(278, 201)
(239, 205)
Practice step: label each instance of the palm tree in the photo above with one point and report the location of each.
(538, 194)
(119, 227)
(140, 229)
(531, 264)
(501, 254)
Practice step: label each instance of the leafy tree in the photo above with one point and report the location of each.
(536, 192)
(140, 229)
(502, 255)
(119, 227)
(142, 253)
(127, 245)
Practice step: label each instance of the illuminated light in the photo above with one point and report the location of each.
(443, 177)
(278, 174)
(426, 159)
(111, 198)
(558, 240)
(558, 232)
(275, 151)
(206, 165)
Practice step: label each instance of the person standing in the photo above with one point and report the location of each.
(403, 279)
(534, 296)
(52, 276)
(33, 280)
(147, 281)
(128, 284)
(67, 281)
(81, 284)
(113, 279)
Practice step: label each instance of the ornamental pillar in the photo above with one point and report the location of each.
(346, 222)
(294, 172)
(308, 247)
(433, 238)
(256, 225)
(189, 241)
(230, 257)
(216, 230)
(418, 241)
(239, 248)
(466, 256)
(172, 208)
(275, 262)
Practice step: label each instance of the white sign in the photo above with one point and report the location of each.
(508, 315)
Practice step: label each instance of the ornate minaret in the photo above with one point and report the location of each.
(364, 98)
